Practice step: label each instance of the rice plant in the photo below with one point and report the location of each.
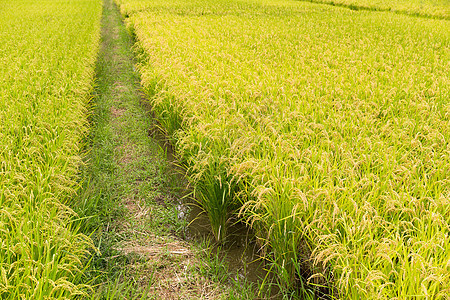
(430, 8)
(328, 127)
(48, 50)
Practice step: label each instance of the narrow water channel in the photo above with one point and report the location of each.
(239, 251)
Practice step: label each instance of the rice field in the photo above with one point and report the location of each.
(47, 55)
(427, 8)
(325, 129)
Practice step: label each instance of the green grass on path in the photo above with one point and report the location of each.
(130, 194)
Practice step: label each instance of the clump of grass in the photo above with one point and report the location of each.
(48, 53)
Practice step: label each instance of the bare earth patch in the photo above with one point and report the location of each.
(117, 112)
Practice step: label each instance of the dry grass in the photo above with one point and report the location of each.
(161, 266)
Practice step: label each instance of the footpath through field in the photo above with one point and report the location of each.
(134, 187)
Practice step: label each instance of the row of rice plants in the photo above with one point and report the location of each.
(326, 129)
(439, 9)
(425, 8)
(47, 54)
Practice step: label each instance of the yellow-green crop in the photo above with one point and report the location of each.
(47, 55)
(425, 8)
(326, 128)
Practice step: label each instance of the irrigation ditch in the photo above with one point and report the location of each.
(239, 250)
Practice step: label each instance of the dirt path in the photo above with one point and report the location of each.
(131, 189)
